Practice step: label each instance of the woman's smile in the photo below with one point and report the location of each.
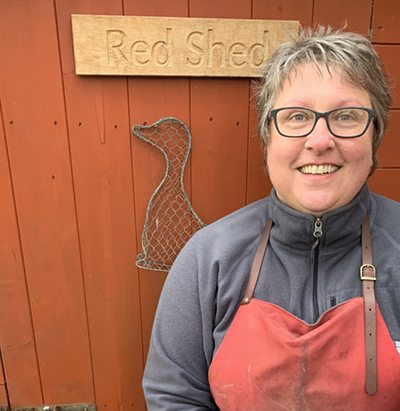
(314, 169)
(319, 172)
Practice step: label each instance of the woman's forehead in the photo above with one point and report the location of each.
(318, 70)
(319, 80)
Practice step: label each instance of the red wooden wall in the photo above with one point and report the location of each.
(75, 311)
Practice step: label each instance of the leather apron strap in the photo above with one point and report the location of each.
(258, 259)
(368, 276)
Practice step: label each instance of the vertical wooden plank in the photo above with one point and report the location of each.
(3, 396)
(4, 400)
(300, 10)
(99, 130)
(162, 8)
(34, 114)
(354, 15)
(388, 153)
(3, 392)
(151, 99)
(16, 333)
(385, 183)
(219, 110)
(220, 9)
(390, 56)
(385, 24)
(219, 118)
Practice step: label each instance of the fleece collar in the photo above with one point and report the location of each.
(341, 227)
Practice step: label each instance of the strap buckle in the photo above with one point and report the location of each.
(367, 278)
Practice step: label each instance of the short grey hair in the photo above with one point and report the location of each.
(351, 54)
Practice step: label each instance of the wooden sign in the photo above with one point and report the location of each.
(163, 46)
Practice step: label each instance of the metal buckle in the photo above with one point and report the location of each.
(367, 278)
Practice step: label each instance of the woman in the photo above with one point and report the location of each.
(296, 328)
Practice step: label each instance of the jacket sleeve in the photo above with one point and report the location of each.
(181, 347)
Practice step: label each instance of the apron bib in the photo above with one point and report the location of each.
(271, 360)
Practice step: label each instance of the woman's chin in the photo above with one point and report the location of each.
(316, 203)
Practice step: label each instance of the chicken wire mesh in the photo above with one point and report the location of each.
(170, 218)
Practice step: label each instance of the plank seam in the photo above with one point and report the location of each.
(5, 380)
(74, 197)
(313, 13)
(385, 44)
(138, 243)
(371, 21)
(22, 255)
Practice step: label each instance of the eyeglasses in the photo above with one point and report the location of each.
(346, 122)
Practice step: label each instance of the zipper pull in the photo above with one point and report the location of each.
(317, 228)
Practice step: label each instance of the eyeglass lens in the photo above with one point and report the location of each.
(343, 122)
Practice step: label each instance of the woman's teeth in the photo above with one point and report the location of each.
(326, 169)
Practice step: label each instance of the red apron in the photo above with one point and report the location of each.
(271, 360)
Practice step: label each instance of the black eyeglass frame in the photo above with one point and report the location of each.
(318, 115)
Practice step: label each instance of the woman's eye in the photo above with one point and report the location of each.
(345, 116)
(298, 117)
(294, 116)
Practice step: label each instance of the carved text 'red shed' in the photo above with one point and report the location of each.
(163, 46)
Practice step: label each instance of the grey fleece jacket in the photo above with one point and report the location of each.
(206, 284)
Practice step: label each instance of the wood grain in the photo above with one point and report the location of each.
(357, 17)
(388, 153)
(385, 24)
(37, 141)
(300, 10)
(385, 183)
(165, 46)
(17, 340)
(390, 56)
(98, 123)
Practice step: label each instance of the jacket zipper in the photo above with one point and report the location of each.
(317, 234)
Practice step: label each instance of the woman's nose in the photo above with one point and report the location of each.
(321, 139)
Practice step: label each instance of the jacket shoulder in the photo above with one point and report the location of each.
(387, 215)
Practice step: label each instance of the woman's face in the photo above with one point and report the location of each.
(350, 158)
